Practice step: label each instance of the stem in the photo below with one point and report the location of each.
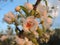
(16, 29)
(35, 6)
(44, 29)
(21, 14)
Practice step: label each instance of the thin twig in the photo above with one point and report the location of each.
(35, 6)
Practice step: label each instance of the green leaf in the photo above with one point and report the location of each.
(16, 31)
(37, 14)
(40, 32)
(25, 10)
(46, 2)
(34, 40)
(32, 12)
(50, 16)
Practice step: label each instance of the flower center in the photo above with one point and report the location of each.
(28, 25)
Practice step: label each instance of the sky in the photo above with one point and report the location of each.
(6, 6)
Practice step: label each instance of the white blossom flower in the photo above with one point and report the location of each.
(42, 10)
(53, 10)
(44, 17)
(28, 6)
(3, 38)
(55, 14)
(9, 18)
(48, 22)
(26, 39)
(45, 38)
(46, 35)
(36, 34)
(30, 24)
(27, 42)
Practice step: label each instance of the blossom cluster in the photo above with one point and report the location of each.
(27, 17)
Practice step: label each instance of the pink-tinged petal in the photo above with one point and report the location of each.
(8, 20)
(23, 19)
(11, 15)
(49, 20)
(28, 6)
(24, 27)
(30, 24)
(7, 15)
(42, 10)
(30, 17)
(19, 41)
(3, 38)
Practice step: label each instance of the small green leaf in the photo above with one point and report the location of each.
(25, 10)
(37, 14)
(50, 16)
(40, 32)
(32, 12)
(34, 40)
(46, 2)
(16, 31)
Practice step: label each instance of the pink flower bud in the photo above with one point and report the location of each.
(9, 18)
(17, 9)
(12, 16)
(49, 20)
(28, 6)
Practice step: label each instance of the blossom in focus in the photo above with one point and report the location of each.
(3, 38)
(17, 9)
(42, 10)
(28, 6)
(30, 24)
(9, 18)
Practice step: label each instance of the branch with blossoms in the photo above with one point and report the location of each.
(27, 18)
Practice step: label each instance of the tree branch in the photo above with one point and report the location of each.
(35, 6)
